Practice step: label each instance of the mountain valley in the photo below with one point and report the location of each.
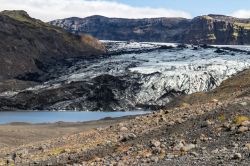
(188, 78)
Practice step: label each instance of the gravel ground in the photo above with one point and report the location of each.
(213, 131)
(216, 133)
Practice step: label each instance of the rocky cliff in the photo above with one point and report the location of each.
(28, 45)
(210, 29)
(216, 29)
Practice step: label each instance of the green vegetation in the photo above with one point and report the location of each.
(240, 118)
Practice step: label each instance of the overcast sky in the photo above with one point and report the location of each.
(47, 10)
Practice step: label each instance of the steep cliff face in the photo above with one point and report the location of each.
(205, 30)
(27, 45)
(216, 29)
(155, 29)
(211, 29)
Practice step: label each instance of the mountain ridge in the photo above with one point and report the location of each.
(207, 29)
(28, 45)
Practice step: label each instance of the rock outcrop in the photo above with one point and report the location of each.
(217, 29)
(210, 29)
(28, 46)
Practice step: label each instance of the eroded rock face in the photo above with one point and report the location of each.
(211, 29)
(156, 29)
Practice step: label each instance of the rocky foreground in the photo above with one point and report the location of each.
(201, 129)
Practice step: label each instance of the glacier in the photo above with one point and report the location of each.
(150, 74)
